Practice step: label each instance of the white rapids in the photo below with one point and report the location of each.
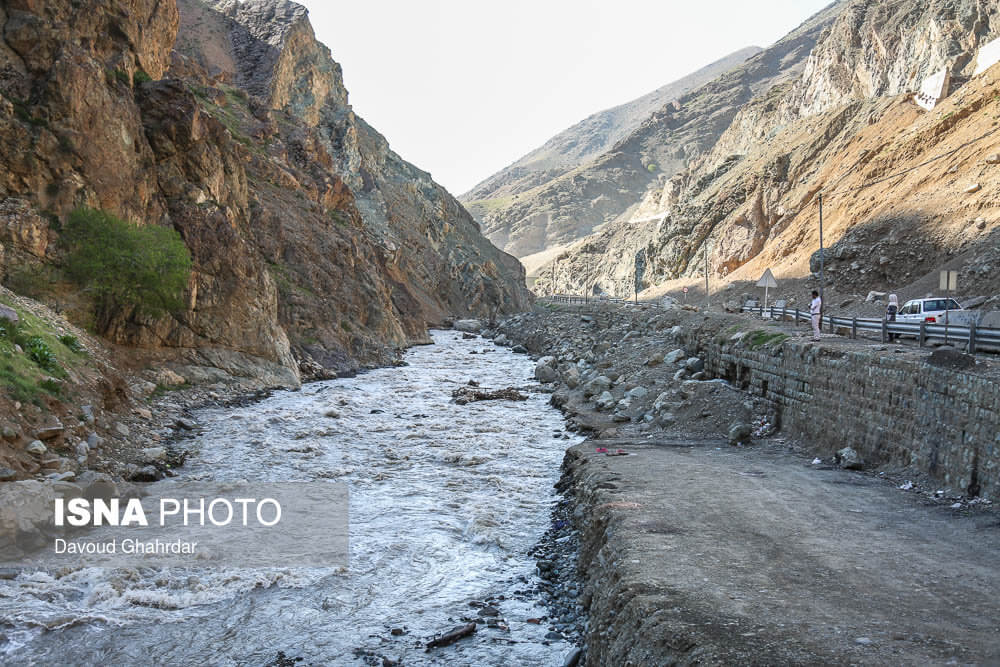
(445, 503)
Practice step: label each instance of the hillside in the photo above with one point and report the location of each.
(589, 138)
(895, 177)
(572, 205)
(314, 245)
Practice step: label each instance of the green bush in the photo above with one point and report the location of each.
(71, 341)
(39, 352)
(140, 76)
(127, 265)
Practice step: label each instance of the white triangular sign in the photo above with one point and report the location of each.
(767, 280)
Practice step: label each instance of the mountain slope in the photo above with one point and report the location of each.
(840, 128)
(591, 137)
(313, 243)
(572, 205)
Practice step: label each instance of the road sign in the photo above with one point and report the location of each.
(767, 280)
(949, 281)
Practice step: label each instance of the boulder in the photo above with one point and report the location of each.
(97, 485)
(36, 448)
(25, 510)
(469, 326)
(655, 360)
(694, 365)
(7, 475)
(87, 412)
(153, 455)
(674, 356)
(8, 314)
(637, 393)
(519, 349)
(599, 384)
(10, 432)
(605, 400)
(571, 377)
(545, 374)
(848, 459)
(50, 431)
(739, 432)
(501, 340)
(874, 296)
(168, 378)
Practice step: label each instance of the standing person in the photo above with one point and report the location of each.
(890, 313)
(816, 310)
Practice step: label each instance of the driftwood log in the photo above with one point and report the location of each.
(452, 636)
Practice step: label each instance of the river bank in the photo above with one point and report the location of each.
(717, 538)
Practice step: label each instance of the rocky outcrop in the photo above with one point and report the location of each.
(311, 240)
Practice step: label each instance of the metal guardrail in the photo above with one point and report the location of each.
(974, 337)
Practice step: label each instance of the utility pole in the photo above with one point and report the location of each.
(822, 301)
(707, 300)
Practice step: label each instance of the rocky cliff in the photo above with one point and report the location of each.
(841, 127)
(313, 243)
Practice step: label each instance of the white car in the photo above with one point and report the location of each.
(930, 310)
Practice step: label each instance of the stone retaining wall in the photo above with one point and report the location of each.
(891, 410)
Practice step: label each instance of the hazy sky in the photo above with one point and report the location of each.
(462, 88)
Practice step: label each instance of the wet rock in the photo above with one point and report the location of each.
(849, 459)
(36, 448)
(501, 340)
(7, 475)
(519, 349)
(466, 395)
(10, 433)
(469, 326)
(148, 473)
(186, 424)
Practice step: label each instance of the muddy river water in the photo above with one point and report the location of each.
(446, 501)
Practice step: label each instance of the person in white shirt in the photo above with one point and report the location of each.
(816, 310)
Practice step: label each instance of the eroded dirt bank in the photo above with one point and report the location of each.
(719, 540)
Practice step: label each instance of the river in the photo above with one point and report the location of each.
(445, 503)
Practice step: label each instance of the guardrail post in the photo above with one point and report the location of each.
(854, 328)
(923, 332)
(885, 331)
(783, 309)
(972, 337)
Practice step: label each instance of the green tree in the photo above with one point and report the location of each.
(145, 267)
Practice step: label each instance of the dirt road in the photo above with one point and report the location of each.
(704, 553)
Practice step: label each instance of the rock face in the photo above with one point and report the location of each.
(310, 237)
(752, 199)
(559, 192)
